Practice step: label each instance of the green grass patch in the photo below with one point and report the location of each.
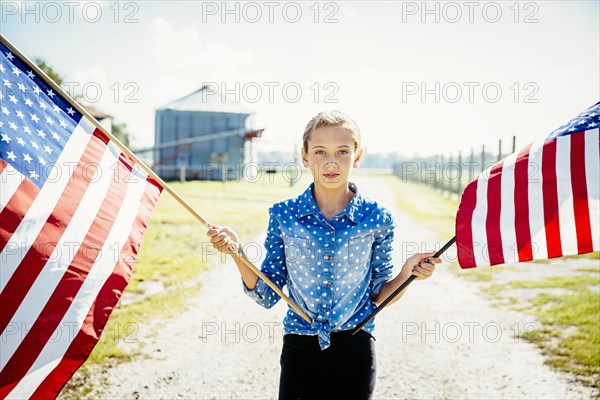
(577, 351)
(542, 300)
(494, 291)
(425, 204)
(595, 270)
(570, 323)
(535, 335)
(483, 274)
(587, 256)
(127, 321)
(575, 282)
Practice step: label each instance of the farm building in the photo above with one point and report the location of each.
(203, 136)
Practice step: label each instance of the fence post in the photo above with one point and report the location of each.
(441, 180)
(499, 150)
(514, 143)
(436, 168)
(182, 173)
(471, 162)
(449, 185)
(482, 157)
(459, 173)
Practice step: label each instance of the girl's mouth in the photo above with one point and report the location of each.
(334, 175)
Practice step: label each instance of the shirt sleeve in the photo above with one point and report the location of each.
(273, 266)
(381, 258)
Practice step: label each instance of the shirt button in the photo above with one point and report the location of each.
(326, 309)
(328, 284)
(328, 257)
(330, 232)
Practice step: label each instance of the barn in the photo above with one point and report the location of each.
(203, 135)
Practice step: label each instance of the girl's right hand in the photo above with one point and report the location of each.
(224, 239)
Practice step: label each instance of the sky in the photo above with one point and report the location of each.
(418, 78)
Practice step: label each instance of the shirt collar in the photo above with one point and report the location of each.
(308, 205)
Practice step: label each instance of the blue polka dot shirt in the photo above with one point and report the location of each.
(333, 269)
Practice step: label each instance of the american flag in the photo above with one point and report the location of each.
(73, 210)
(538, 203)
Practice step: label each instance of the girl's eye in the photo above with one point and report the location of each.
(319, 152)
(343, 151)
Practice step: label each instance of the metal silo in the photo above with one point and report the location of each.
(202, 136)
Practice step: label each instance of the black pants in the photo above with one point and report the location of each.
(345, 370)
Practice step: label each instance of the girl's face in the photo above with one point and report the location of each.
(331, 156)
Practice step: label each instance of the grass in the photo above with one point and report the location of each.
(574, 282)
(585, 269)
(578, 351)
(592, 256)
(425, 204)
(587, 256)
(175, 250)
(484, 274)
(569, 334)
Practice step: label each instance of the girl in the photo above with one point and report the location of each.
(333, 249)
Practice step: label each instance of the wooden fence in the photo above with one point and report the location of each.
(449, 173)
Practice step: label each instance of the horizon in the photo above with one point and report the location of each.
(430, 79)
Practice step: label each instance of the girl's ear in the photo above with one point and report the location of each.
(304, 158)
(359, 153)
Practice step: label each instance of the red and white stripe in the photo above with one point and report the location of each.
(67, 252)
(539, 203)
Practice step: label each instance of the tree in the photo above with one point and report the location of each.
(119, 131)
(55, 76)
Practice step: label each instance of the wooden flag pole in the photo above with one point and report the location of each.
(400, 289)
(150, 173)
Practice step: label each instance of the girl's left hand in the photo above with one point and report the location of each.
(422, 265)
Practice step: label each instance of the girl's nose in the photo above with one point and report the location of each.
(330, 165)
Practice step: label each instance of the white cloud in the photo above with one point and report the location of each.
(184, 52)
(92, 84)
(348, 14)
(183, 61)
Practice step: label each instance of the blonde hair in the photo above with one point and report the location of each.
(331, 118)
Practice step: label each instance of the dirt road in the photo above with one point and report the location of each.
(442, 340)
